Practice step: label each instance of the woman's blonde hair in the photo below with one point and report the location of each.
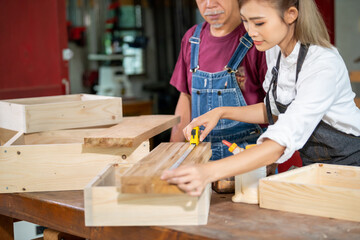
(310, 27)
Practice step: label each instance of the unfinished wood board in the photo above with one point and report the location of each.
(144, 176)
(62, 165)
(30, 115)
(105, 205)
(318, 189)
(132, 131)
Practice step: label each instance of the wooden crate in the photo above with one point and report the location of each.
(318, 189)
(59, 160)
(107, 203)
(30, 115)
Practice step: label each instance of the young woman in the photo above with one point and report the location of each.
(308, 91)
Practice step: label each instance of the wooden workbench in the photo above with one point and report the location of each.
(64, 212)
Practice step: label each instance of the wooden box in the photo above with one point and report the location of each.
(30, 115)
(59, 160)
(318, 189)
(148, 200)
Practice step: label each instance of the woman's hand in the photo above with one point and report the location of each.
(208, 120)
(192, 179)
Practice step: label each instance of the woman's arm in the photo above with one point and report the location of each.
(250, 114)
(192, 179)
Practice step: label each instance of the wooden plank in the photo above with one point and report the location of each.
(6, 228)
(355, 76)
(144, 176)
(59, 112)
(54, 167)
(132, 131)
(335, 193)
(105, 206)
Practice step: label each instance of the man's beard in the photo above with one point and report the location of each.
(216, 12)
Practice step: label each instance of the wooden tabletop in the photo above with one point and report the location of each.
(64, 212)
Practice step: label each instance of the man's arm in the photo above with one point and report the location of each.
(183, 109)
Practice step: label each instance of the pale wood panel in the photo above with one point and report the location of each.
(59, 112)
(17, 139)
(144, 176)
(105, 206)
(6, 135)
(344, 177)
(55, 167)
(45, 100)
(355, 76)
(132, 130)
(60, 136)
(12, 116)
(299, 175)
(340, 202)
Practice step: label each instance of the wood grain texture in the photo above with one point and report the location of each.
(64, 212)
(132, 131)
(59, 112)
(334, 191)
(61, 166)
(144, 176)
(105, 205)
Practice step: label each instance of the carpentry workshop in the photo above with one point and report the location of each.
(179, 119)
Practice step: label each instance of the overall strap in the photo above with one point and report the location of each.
(195, 46)
(240, 52)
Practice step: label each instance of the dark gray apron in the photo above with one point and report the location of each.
(326, 144)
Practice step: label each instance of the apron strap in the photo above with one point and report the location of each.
(195, 46)
(241, 50)
(275, 72)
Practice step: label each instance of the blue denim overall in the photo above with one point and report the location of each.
(212, 90)
(326, 144)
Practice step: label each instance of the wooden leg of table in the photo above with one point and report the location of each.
(50, 234)
(6, 228)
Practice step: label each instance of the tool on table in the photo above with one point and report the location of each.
(228, 185)
(194, 141)
(246, 184)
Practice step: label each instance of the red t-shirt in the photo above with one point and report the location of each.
(214, 55)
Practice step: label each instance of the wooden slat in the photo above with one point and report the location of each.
(59, 112)
(144, 176)
(355, 76)
(132, 131)
(54, 167)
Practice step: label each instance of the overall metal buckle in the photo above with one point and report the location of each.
(230, 70)
(195, 69)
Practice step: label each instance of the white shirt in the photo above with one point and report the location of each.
(322, 92)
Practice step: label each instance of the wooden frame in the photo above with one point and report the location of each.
(318, 189)
(58, 160)
(107, 203)
(30, 115)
